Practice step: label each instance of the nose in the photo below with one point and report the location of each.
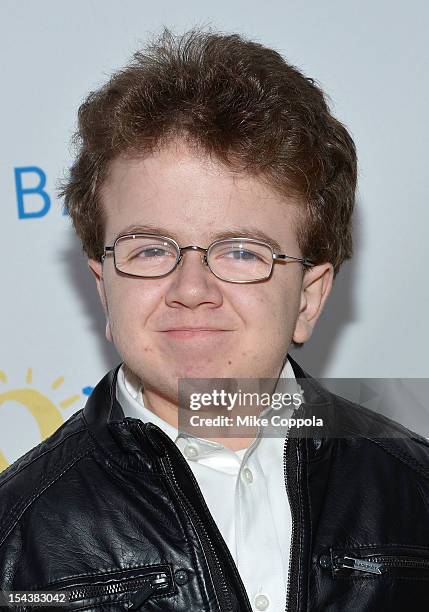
(192, 284)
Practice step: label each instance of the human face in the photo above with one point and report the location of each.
(194, 199)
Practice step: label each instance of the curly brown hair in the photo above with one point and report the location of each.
(234, 99)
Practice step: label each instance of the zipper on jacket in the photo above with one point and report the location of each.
(213, 563)
(290, 466)
(374, 564)
(141, 588)
(360, 565)
(158, 583)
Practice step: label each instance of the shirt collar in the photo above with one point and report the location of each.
(130, 396)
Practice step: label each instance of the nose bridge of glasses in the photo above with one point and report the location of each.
(196, 248)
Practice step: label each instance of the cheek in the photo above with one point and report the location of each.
(131, 302)
(276, 311)
(263, 310)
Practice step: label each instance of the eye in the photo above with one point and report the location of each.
(152, 252)
(243, 255)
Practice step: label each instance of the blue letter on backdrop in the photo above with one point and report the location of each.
(21, 191)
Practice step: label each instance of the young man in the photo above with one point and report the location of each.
(213, 193)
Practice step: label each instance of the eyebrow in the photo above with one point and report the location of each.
(242, 232)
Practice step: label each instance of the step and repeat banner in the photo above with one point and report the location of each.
(372, 62)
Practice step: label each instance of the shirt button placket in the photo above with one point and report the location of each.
(261, 602)
(191, 451)
(247, 475)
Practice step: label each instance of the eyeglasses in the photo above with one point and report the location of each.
(235, 260)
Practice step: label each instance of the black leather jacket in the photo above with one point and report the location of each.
(108, 509)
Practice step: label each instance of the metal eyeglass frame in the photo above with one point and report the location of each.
(275, 256)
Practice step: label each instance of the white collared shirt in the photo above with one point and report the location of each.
(252, 513)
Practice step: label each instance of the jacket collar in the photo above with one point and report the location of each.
(120, 436)
(106, 422)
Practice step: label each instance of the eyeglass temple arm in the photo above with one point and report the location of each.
(305, 262)
(107, 249)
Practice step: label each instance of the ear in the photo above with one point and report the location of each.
(96, 268)
(316, 286)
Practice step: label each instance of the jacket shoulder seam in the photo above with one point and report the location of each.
(42, 454)
(405, 458)
(386, 442)
(19, 508)
(372, 415)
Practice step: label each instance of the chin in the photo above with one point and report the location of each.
(199, 370)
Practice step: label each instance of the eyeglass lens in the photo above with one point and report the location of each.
(231, 259)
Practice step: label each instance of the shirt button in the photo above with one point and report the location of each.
(261, 602)
(247, 476)
(191, 451)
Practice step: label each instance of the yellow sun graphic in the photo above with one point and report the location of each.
(46, 414)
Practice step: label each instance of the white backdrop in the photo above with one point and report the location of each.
(371, 59)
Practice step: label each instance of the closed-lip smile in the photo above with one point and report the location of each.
(205, 328)
(194, 332)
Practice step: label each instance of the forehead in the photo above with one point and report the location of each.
(183, 194)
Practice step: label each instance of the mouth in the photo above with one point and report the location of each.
(183, 333)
